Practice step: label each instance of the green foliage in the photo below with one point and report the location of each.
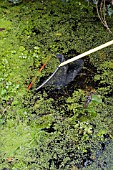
(75, 104)
(110, 9)
(105, 77)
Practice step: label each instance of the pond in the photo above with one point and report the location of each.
(68, 127)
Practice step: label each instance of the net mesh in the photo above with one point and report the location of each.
(63, 75)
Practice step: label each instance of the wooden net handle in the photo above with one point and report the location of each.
(87, 53)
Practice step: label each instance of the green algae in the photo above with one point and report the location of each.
(46, 130)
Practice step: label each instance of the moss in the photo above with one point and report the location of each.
(52, 129)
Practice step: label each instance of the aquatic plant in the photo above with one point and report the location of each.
(52, 129)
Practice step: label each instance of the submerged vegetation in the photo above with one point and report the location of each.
(53, 129)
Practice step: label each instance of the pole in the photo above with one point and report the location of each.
(86, 53)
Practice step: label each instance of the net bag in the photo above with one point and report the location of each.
(63, 75)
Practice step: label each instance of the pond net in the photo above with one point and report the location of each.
(68, 70)
(62, 75)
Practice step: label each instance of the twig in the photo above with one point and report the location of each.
(101, 14)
